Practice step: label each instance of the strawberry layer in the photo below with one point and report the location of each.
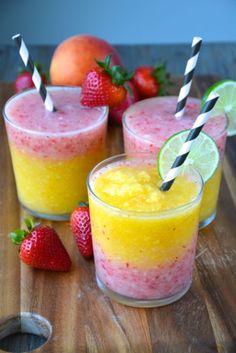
(149, 123)
(70, 131)
(160, 282)
(58, 147)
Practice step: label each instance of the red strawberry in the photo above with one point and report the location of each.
(40, 247)
(104, 85)
(24, 79)
(81, 228)
(132, 96)
(151, 81)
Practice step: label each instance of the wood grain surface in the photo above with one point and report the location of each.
(84, 320)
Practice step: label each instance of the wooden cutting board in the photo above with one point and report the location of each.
(84, 320)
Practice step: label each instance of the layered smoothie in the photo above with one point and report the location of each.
(53, 152)
(144, 247)
(149, 123)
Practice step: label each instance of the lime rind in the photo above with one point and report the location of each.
(226, 103)
(204, 155)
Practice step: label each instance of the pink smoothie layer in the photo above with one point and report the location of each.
(70, 131)
(143, 283)
(149, 123)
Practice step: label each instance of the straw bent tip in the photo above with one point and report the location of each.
(16, 36)
(196, 39)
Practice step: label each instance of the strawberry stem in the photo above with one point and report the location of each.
(129, 89)
(106, 63)
(83, 204)
(20, 234)
(39, 67)
(117, 73)
(20, 70)
(162, 77)
(29, 223)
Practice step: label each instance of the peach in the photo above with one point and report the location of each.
(74, 57)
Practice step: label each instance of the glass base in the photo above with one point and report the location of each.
(52, 217)
(207, 221)
(140, 303)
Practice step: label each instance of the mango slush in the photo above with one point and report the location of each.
(144, 240)
(149, 123)
(52, 187)
(52, 153)
(210, 195)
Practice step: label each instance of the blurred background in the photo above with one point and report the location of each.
(119, 22)
(143, 32)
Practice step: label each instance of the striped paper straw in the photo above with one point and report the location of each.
(193, 134)
(188, 76)
(36, 78)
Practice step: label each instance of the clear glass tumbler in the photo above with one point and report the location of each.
(142, 258)
(53, 152)
(149, 123)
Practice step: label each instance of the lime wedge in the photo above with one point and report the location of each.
(204, 155)
(226, 102)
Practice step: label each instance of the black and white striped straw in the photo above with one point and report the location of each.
(36, 78)
(193, 134)
(188, 76)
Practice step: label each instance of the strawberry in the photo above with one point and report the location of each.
(151, 81)
(104, 85)
(41, 247)
(132, 96)
(24, 79)
(81, 229)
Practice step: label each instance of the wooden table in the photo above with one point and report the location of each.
(84, 320)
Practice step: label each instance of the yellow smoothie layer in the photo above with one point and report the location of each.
(210, 195)
(142, 241)
(138, 189)
(52, 180)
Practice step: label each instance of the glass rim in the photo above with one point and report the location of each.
(102, 117)
(142, 214)
(135, 134)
